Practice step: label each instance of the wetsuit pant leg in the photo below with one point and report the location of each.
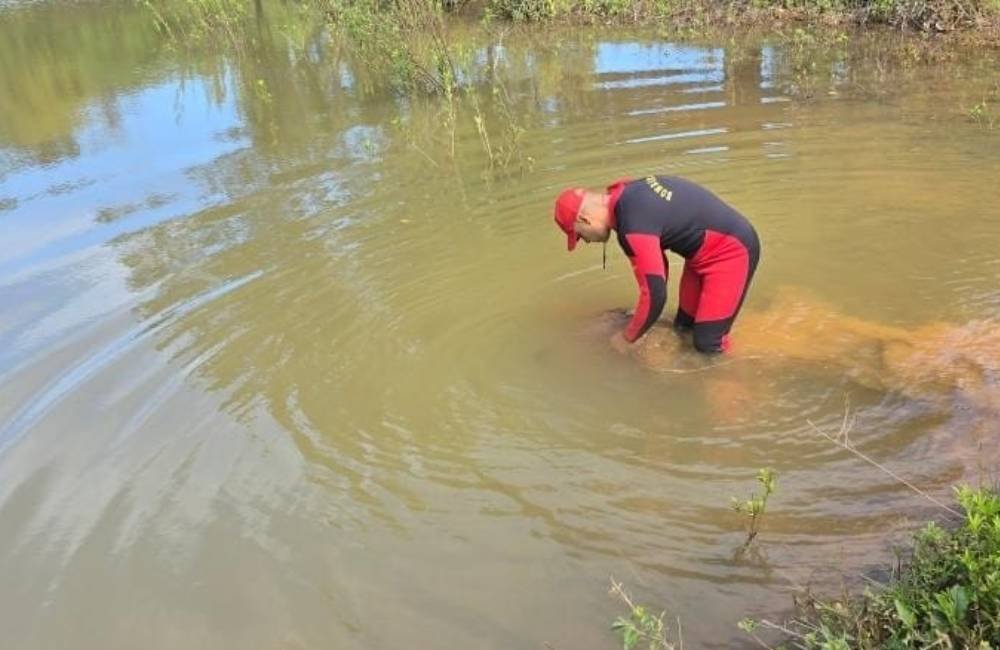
(724, 286)
(689, 295)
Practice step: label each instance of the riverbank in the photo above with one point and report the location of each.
(431, 45)
(938, 22)
(980, 17)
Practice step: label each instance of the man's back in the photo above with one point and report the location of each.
(677, 211)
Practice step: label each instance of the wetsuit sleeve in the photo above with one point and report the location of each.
(650, 268)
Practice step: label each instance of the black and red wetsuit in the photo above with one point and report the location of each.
(721, 250)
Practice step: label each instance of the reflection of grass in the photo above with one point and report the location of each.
(238, 26)
(60, 56)
(198, 20)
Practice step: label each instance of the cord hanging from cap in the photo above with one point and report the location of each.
(604, 256)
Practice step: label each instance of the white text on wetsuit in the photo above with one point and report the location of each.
(661, 191)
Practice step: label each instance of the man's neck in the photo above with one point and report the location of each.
(597, 207)
(609, 217)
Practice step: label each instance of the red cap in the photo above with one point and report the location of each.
(567, 208)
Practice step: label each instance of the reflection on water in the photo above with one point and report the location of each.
(270, 357)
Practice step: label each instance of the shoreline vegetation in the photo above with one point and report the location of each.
(943, 593)
(966, 22)
(452, 52)
(975, 21)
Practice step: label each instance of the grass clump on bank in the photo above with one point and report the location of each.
(946, 596)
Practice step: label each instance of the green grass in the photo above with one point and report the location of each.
(947, 595)
(642, 628)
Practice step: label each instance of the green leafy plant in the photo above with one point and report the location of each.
(641, 626)
(755, 507)
(982, 114)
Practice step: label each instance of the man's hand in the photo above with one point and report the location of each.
(619, 344)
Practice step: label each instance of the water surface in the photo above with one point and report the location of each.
(278, 371)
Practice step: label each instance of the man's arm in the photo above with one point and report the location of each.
(650, 268)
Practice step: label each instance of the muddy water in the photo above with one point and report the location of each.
(278, 371)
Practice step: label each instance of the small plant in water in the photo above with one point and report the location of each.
(983, 116)
(641, 626)
(756, 505)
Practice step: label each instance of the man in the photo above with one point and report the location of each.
(659, 213)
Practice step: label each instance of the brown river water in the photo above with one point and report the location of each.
(277, 370)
